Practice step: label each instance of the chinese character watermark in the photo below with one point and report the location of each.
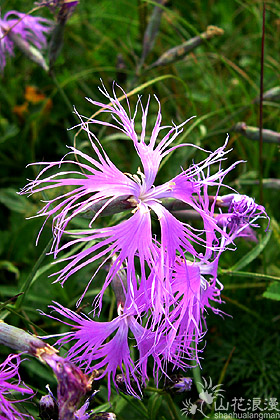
(212, 399)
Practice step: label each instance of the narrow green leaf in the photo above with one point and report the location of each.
(273, 291)
(9, 301)
(10, 131)
(252, 255)
(40, 271)
(151, 32)
(9, 266)
(29, 279)
(14, 202)
(137, 405)
(154, 404)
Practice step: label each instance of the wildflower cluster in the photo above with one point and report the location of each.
(163, 271)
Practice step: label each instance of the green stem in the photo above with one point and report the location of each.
(249, 275)
(153, 389)
(261, 109)
(63, 95)
(197, 378)
(29, 279)
(172, 407)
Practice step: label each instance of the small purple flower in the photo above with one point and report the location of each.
(241, 216)
(9, 372)
(31, 30)
(178, 383)
(101, 181)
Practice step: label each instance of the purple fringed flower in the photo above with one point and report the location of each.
(29, 29)
(194, 289)
(98, 180)
(92, 350)
(241, 216)
(9, 371)
(169, 339)
(163, 284)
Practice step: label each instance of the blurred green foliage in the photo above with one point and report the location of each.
(219, 83)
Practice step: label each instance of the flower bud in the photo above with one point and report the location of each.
(48, 408)
(126, 387)
(179, 383)
(180, 51)
(73, 384)
(94, 378)
(67, 7)
(253, 133)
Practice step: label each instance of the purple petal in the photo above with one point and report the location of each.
(9, 371)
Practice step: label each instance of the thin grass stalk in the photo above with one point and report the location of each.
(261, 109)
